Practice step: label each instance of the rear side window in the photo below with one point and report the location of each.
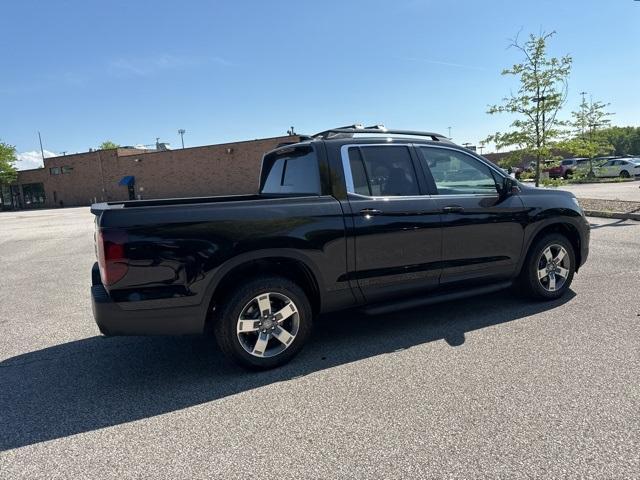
(567, 162)
(292, 171)
(383, 171)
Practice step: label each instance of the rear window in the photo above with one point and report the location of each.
(292, 171)
(383, 171)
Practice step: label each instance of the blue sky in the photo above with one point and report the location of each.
(85, 71)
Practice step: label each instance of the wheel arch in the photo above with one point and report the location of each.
(285, 263)
(565, 228)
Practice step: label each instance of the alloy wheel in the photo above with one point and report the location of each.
(553, 267)
(268, 324)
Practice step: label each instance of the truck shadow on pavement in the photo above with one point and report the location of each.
(99, 382)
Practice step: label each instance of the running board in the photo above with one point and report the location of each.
(438, 298)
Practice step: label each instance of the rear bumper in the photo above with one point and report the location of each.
(137, 319)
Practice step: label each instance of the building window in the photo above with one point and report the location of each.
(54, 170)
(33, 195)
(67, 169)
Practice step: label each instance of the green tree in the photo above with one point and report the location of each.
(108, 144)
(624, 140)
(585, 121)
(8, 172)
(541, 94)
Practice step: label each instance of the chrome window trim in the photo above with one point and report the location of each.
(348, 176)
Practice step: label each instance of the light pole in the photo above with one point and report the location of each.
(41, 149)
(181, 132)
(449, 128)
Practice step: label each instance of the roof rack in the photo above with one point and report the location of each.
(349, 130)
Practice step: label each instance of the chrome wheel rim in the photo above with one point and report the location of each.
(553, 267)
(268, 324)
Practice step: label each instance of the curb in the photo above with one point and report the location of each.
(618, 215)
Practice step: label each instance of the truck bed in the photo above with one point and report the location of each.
(98, 208)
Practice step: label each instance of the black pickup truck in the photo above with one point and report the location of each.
(352, 217)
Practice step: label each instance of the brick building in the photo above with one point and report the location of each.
(124, 173)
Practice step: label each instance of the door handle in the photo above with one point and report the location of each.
(453, 209)
(367, 212)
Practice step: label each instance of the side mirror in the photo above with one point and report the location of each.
(508, 187)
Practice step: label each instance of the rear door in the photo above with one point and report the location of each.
(396, 223)
(482, 232)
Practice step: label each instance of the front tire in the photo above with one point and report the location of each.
(624, 174)
(549, 268)
(264, 323)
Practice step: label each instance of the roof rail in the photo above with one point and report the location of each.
(350, 130)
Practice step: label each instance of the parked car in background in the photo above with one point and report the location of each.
(599, 161)
(568, 168)
(619, 167)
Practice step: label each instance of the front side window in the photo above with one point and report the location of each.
(383, 171)
(292, 171)
(456, 173)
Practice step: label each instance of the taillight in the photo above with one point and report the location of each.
(111, 255)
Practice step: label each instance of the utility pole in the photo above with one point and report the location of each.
(449, 128)
(181, 132)
(41, 149)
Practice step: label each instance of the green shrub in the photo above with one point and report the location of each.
(552, 182)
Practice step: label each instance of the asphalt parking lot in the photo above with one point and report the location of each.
(627, 191)
(489, 387)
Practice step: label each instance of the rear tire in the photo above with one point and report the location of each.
(624, 174)
(549, 268)
(264, 323)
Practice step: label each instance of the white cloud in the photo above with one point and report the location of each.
(127, 67)
(33, 159)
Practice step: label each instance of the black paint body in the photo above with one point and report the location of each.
(180, 250)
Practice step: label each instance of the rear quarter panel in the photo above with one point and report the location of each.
(177, 253)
